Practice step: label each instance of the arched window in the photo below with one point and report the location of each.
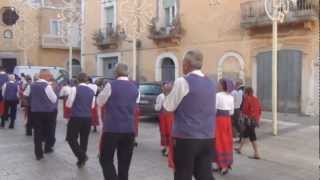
(168, 70)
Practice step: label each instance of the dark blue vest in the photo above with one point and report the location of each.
(195, 116)
(39, 100)
(120, 108)
(82, 104)
(11, 93)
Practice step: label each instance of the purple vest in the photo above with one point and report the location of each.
(82, 104)
(120, 107)
(195, 116)
(39, 100)
(11, 93)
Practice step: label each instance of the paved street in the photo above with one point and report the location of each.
(290, 156)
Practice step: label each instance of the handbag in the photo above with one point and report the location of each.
(250, 122)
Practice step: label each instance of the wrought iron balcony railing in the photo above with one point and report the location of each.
(253, 13)
(107, 38)
(56, 42)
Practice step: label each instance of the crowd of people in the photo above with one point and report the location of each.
(199, 119)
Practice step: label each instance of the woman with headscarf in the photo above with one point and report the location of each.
(224, 141)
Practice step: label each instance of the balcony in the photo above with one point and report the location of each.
(253, 13)
(108, 38)
(169, 34)
(55, 42)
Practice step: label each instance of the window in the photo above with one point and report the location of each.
(55, 27)
(169, 11)
(150, 89)
(109, 11)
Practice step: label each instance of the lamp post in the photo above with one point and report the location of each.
(276, 10)
(70, 18)
(136, 16)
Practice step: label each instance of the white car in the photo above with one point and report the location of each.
(58, 73)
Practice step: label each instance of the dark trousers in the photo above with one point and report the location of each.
(79, 127)
(236, 123)
(123, 143)
(193, 157)
(29, 124)
(10, 110)
(43, 131)
(52, 133)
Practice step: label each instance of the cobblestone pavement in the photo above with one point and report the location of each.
(290, 156)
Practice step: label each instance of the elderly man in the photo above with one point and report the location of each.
(237, 94)
(42, 102)
(192, 99)
(118, 99)
(10, 94)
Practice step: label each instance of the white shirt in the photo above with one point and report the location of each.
(65, 91)
(4, 87)
(237, 95)
(105, 94)
(224, 101)
(159, 102)
(73, 93)
(48, 90)
(179, 91)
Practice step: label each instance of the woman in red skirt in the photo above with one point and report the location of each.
(223, 132)
(165, 119)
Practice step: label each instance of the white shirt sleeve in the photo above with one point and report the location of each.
(71, 97)
(51, 94)
(4, 87)
(27, 91)
(232, 106)
(104, 95)
(138, 98)
(159, 102)
(179, 91)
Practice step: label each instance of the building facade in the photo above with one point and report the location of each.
(234, 35)
(31, 34)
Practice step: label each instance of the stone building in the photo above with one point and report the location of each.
(234, 35)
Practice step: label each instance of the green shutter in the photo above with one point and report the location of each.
(169, 3)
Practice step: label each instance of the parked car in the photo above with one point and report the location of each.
(58, 73)
(148, 95)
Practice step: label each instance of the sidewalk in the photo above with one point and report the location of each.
(293, 155)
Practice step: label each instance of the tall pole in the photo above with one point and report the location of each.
(274, 67)
(134, 62)
(70, 52)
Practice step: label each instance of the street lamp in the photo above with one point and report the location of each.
(25, 29)
(276, 10)
(136, 16)
(70, 18)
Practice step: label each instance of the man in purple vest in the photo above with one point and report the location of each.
(10, 94)
(192, 99)
(42, 102)
(119, 99)
(81, 101)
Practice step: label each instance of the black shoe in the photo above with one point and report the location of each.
(224, 172)
(94, 129)
(82, 163)
(38, 158)
(135, 144)
(11, 127)
(48, 151)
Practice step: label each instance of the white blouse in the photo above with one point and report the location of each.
(159, 102)
(225, 101)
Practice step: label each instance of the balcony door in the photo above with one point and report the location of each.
(289, 80)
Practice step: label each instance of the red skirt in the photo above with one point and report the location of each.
(224, 142)
(1, 108)
(165, 126)
(137, 120)
(66, 111)
(95, 117)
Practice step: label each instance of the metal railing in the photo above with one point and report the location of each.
(55, 41)
(253, 12)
